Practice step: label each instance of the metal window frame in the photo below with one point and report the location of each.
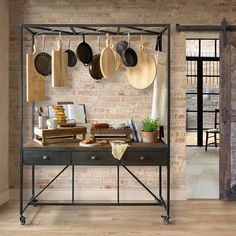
(200, 111)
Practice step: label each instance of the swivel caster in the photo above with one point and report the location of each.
(22, 220)
(166, 220)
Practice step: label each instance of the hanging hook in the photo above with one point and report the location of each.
(141, 39)
(60, 35)
(98, 42)
(43, 42)
(128, 39)
(68, 43)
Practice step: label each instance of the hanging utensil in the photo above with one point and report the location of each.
(35, 82)
(59, 66)
(42, 61)
(129, 56)
(108, 60)
(84, 52)
(40, 111)
(72, 59)
(142, 75)
(94, 65)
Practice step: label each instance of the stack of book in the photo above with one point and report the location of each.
(136, 132)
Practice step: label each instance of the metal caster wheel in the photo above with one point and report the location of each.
(22, 220)
(166, 220)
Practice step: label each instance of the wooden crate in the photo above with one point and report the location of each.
(111, 133)
(62, 134)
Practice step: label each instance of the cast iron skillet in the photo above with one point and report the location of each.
(121, 46)
(42, 62)
(128, 55)
(94, 67)
(72, 60)
(84, 52)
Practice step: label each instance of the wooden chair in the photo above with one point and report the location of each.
(214, 132)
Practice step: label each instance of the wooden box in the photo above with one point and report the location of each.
(62, 134)
(111, 133)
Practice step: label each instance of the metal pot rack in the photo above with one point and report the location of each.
(157, 30)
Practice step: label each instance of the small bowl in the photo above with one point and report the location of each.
(118, 125)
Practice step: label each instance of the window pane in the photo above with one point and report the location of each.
(218, 48)
(191, 120)
(192, 102)
(210, 102)
(208, 48)
(192, 48)
(209, 120)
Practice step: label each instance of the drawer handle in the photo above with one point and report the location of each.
(93, 158)
(46, 158)
(142, 158)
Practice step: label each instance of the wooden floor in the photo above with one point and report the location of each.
(188, 218)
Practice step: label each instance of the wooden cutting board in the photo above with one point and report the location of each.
(142, 75)
(108, 60)
(35, 83)
(59, 67)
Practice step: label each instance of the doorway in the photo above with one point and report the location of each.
(202, 94)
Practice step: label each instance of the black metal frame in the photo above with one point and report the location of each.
(90, 29)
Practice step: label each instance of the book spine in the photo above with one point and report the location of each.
(132, 128)
(135, 132)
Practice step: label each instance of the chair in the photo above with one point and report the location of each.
(214, 131)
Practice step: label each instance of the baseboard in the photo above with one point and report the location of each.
(93, 195)
(4, 196)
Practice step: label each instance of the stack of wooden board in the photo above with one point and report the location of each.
(63, 134)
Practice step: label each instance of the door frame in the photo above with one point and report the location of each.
(227, 192)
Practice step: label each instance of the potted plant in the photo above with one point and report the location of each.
(150, 132)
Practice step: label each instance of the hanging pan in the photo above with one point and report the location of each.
(84, 52)
(94, 65)
(72, 60)
(129, 56)
(42, 61)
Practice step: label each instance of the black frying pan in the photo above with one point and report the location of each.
(94, 67)
(42, 62)
(121, 46)
(72, 60)
(84, 52)
(129, 57)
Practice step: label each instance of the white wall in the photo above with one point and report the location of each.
(4, 78)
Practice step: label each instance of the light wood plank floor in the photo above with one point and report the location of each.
(188, 218)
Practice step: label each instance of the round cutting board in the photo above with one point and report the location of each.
(143, 74)
(88, 144)
(108, 61)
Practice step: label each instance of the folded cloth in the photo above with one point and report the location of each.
(118, 149)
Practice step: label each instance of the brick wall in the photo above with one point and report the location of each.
(115, 99)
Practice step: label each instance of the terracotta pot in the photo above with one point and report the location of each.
(150, 137)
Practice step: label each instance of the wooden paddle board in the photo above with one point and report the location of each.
(35, 83)
(142, 75)
(59, 67)
(108, 61)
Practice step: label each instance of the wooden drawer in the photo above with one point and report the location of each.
(144, 158)
(46, 157)
(93, 158)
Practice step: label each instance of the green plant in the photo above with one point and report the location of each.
(149, 125)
